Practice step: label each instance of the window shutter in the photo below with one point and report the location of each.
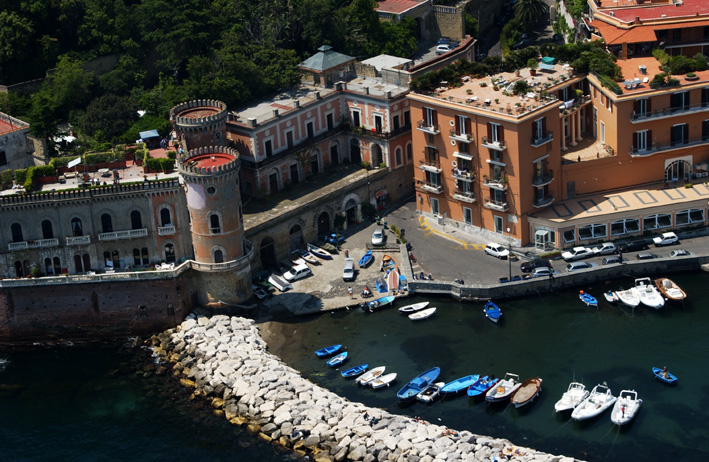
(434, 117)
(648, 107)
(636, 106)
(648, 139)
(501, 133)
(489, 131)
(468, 128)
(544, 126)
(685, 133)
(635, 140)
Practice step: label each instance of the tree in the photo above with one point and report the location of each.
(108, 116)
(530, 11)
(15, 35)
(471, 25)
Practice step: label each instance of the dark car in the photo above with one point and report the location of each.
(558, 38)
(524, 43)
(633, 245)
(535, 262)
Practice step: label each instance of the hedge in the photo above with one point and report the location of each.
(162, 164)
(6, 177)
(20, 175)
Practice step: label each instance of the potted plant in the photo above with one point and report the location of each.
(691, 76)
(497, 101)
(532, 65)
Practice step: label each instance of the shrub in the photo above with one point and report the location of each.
(661, 56)
(658, 81)
(383, 165)
(368, 210)
(532, 63)
(700, 62)
(680, 65)
(6, 178)
(171, 155)
(366, 165)
(691, 75)
(60, 161)
(20, 175)
(520, 87)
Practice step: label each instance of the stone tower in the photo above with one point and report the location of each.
(200, 122)
(223, 255)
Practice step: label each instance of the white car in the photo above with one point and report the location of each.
(666, 239)
(497, 250)
(348, 272)
(378, 237)
(606, 248)
(443, 48)
(577, 253)
(297, 272)
(680, 253)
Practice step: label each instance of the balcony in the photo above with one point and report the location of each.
(167, 230)
(118, 235)
(464, 196)
(496, 145)
(38, 244)
(463, 137)
(540, 141)
(78, 240)
(656, 148)
(381, 134)
(496, 183)
(542, 180)
(429, 187)
(668, 112)
(496, 205)
(543, 202)
(463, 176)
(430, 166)
(426, 127)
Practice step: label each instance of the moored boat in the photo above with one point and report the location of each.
(383, 381)
(572, 397)
(366, 260)
(611, 297)
(337, 360)
(460, 384)
(597, 401)
(670, 289)
(327, 351)
(492, 312)
(408, 309)
(373, 374)
(649, 295)
(423, 314)
(527, 392)
(378, 303)
(354, 371)
(320, 253)
(664, 375)
(629, 297)
(381, 285)
(430, 393)
(504, 388)
(588, 299)
(393, 280)
(386, 263)
(482, 385)
(626, 407)
(308, 257)
(418, 383)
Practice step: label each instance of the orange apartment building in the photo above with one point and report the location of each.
(575, 169)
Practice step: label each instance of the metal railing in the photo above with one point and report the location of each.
(78, 240)
(127, 234)
(464, 137)
(654, 148)
(543, 202)
(428, 128)
(468, 176)
(465, 196)
(496, 205)
(500, 145)
(430, 165)
(495, 183)
(669, 112)
(430, 187)
(538, 141)
(39, 243)
(543, 179)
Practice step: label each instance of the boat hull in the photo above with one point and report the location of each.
(408, 309)
(328, 351)
(373, 374)
(482, 386)
(668, 378)
(354, 371)
(383, 381)
(626, 407)
(409, 391)
(337, 360)
(572, 397)
(458, 385)
(525, 394)
(430, 393)
(492, 312)
(595, 404)
(423, 314)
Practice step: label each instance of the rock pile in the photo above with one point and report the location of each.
(224, 359)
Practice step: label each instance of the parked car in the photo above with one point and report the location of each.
(665, 239)
(611, 260)
(348, 273)
(378, 237)
(577, 253)
(579, 265)
(535, 262)
(606, 248)
(443, 48)
(633, 245)
(557, 38)
(542, 272)
(297, 272)
(646, 256)
(497, 250)
(524, 43)
(680, 253)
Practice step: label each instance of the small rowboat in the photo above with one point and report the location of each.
(320, 253)
(308, 257)
(393, 280)
(482, 385)
(588, 299)
(366, 260)
(337, 360)
(354, 371)
(383, 381)
(459, 384)
(423, 314)
(417, 384)
(371, 375)
(663, 375)
(327, 351)
(378, 303)
(527, 392)
(504, 389)
(611, 297)
(572, 397)
(670, 290)
(626, 407)
(492, 312)
(408, 309)
(381, 285)
(430, 393)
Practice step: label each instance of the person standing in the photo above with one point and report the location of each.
(349, 291)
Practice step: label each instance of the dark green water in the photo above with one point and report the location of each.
(553, 336)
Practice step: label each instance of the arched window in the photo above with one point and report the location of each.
(170, 253)
(398, 156)
(135, 220)
(136, 257)
(87, 262)
(47, 231)
(115, 259)
(144, 255)
(165, 217)
(214, 224)
(48, 266)
(106, 223)
(16, 230)
(57, 265)
(218, 256)
(76, 227)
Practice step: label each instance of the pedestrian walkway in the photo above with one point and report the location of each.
(429, 230)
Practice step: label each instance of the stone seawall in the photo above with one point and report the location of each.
(224, 359)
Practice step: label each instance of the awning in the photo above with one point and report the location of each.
(462, 155)
(149, 134)
(380, 194)
(546, 67)
(549, 60)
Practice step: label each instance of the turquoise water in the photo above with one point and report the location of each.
(553, 336)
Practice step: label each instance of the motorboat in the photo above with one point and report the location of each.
(378, 303)
(460, 384)
(611, 297)
(383, 381)
(504, 388)
(320, 253)
(373, 374)
(670, 289)
(327, 351)
(354, 371)
(430, 393)
(423, 314)
(664, 375)
(492, 312)
(626, 407)
(588, 299)
(527, 392)
(629, 297)
(572, 397)
(337, 360)
(408, 309)
(393, 280)
(417, 384)
(649, 295)
(366, 260)
(597, 401)
(482, 385)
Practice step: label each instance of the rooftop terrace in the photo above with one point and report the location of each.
(638, 73)
(10, 124)
(629, 10)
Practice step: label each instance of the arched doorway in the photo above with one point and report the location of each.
(335, 153)
(323, 223)
(268, 253)
(355, 151)
(377, 158)
(679, 170)
(295, 238)
(351, 211)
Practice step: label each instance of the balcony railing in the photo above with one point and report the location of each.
(655, 148)
(166, 230)
(78, 240)
(430, 166)
(464, 137)
(465, 196)
(498, 145)
(215, 230)
(668, 112)
(539, 141)
(424, 126)
(378, 133)
(118, 235)
(39, 243)
(430, 187)
(463, 176)
(542, 180)
(543, 202)
(496, 205)
(495, 183)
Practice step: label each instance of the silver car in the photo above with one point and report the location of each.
(378, 236)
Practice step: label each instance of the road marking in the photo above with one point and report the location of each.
(427, 231)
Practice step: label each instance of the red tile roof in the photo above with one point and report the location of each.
(643, 33)
(686, 9)
(396, 6)
(7, 128)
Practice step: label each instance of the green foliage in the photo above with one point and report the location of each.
(368, 210)
(91, 158)
(576, 7)
(511, 33)
(109, 116)
(532, 63)
(58, 162)
(171, 155)
(472, 28)
(147, 122)
(663, 80)
(520, 87)
(680, 65)
(366, 165)
(20, 175)
(397, 233)
(529, 12)
(15, 36)
(162, 164)
(585, 57)
(6, 177)
(700, 62)
(661, 56)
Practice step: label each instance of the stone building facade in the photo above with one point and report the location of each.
(15, 147)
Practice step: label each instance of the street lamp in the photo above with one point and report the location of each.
(509, 256)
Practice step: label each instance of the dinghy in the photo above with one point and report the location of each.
(588, 299)
(383, 381)
(308, 257)
(320, 253)
(371, 375)
(393, 280)
(327, 351)
(504, 388)
(664, 375)
(649, 295)
(354, 371)
(482, 385)
(527, 392)
(378, 303)
(572, 397)
(459, 384)
(366, 260)
(430, 393)
(408, 309)
(337, 360)
(386, 263)
(418, 383)
(629, 297)
(423, 314)
(597, 401)
(492, 312)
(381, 285)
(611, 297)
(626, 407)
(670, 290)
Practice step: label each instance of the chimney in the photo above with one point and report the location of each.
(366, 90)
(275, 113)
(296, 103)
(317, 95)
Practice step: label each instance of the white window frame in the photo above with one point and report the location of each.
(642, 140)
(435, 207)
(656, 219)
(689, 221)
(625, 229)
(572, 239)
(603, 133)
(598, 231)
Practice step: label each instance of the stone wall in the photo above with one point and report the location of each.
(449, 22)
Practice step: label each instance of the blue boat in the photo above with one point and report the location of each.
(335, 239)
(459, 384)
(327, 351)
(403, 285)
(381, 284)
(366, 260)
(664, 375)
(378, 303)
(492, 312)
(414, 387)
(354, 371)
(482, 385)
(337, 360)
(320, 253)
(588, 299)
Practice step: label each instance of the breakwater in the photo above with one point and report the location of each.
(225, 361)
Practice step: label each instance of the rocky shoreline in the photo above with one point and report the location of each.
(224, 360)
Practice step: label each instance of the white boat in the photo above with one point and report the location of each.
(572, 397)
(629, 297)
(383, 381)
(670, 289)
(413, 308)
(611, 297)
(373, 374)
(649, 295)
(504, 388)
(626, 407)
(598, 401)
(430, 393)
(423, 314)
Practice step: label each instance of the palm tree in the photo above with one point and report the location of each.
(530, 11)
